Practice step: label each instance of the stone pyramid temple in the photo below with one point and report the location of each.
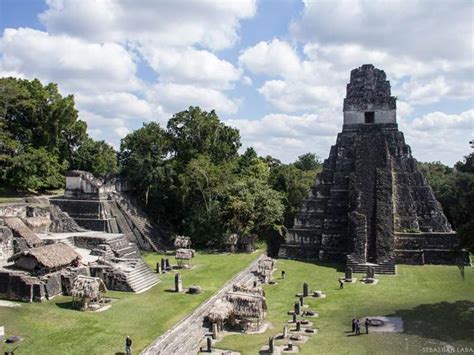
(371, 205)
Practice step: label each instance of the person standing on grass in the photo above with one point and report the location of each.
(341, 284)
(353, 325)
(367, 323)
(128, 345)
(283, 274)
(357, 327)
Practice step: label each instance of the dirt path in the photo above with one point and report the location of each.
(186, 336)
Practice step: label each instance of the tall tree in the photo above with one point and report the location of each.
(40, 116)
(195, 132)
(307, 162)
(35, 169)
(142, 156)
(96, 157)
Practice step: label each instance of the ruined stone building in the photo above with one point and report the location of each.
(104, 206)
(371, 205)
(43, 250)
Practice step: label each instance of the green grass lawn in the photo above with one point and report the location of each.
(436, 305)
(53, 328)
(8, 195)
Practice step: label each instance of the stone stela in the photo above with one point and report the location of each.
(178, 285)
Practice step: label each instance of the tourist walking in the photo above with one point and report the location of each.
(128, 346)
(367, 323)
(283, 274)
(357, 324)
(341, 284)
(353, 325)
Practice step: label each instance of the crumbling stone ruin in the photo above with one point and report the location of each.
(371, 205)
(43, 250)
(105, 206)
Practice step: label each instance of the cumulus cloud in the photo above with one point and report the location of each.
(422, 29)
(288, 136)
(273, 58)
(438, 136)
(178, 97)
(191, 66)
(74, 63)
(211, 24)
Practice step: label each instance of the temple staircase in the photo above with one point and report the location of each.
(144, 231)
(384, 268)
(140, 277)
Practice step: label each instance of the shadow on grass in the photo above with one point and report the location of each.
(443, 321)
(67, 305)
(340, 267)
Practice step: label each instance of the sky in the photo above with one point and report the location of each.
(275, 69)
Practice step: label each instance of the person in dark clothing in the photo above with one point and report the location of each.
(353, 325)
(341, 284)
(367, 323)
(128, 346)
(283, 274)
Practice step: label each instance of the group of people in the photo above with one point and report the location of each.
(356, 326)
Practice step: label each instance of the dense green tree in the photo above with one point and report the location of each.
(195, 132)
(143, 156)
(454, 189)
(35, 169)
(39, 116)
(308, 162)
(96, 157)
(294, 183)
(250, 205)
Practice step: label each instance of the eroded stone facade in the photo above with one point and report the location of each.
(370, 193)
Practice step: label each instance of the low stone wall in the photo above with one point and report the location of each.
(414, 241)
(88, 242)
(6, 244)
(17, 286)
(13, 210)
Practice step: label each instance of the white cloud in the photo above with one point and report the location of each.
(168, 23)
(75, 64)
(116, 104)
(274, 58)
(190, 66)
(438, 136)
(176, 97)
(422, 29)
(425, 93)
(287, 136)
(295, 96)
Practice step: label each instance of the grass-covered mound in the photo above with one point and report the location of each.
(436, 305)
(54, 328)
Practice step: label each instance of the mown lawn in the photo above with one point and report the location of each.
(435, 303)
(53, 328)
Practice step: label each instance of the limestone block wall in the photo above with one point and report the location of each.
(6, 244)
(380, 116)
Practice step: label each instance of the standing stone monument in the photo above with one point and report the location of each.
(285, 332)
(214, 330)
(370, 272)
(297, 308)
(178, 285)
(271, 345)
(298, 326)
(209, 344)
(371, 204)
(305, 290)
(348, 275)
